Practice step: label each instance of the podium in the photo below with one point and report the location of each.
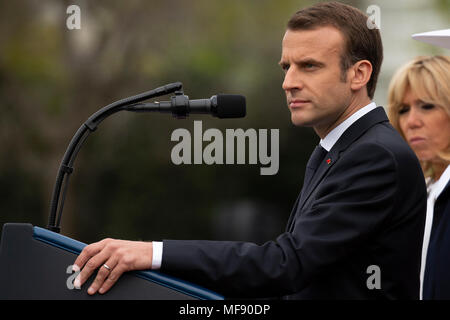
(35, 263)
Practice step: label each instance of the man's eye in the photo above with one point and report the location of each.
(310, 66)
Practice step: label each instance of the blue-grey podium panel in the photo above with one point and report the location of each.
(35, 263)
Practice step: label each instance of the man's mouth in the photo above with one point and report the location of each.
(297, 103)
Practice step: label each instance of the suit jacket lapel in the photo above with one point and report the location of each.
(351, 134)
(325, 165)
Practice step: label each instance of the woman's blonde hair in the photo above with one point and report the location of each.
(429, 78)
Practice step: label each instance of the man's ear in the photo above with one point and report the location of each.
(361, 72)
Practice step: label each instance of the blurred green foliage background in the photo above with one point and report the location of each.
(124, 184)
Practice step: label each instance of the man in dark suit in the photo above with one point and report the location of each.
(356, 229)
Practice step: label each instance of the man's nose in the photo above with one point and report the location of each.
(292, 80)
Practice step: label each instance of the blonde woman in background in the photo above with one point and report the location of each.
(419, 108)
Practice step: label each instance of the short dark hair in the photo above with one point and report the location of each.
(360, 41)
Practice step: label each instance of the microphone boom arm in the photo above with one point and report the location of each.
(90, 125)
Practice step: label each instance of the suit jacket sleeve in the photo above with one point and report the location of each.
(353, 201)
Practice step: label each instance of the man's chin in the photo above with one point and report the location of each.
(300, 121)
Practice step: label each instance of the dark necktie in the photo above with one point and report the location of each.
(314, 161)
(317, 156)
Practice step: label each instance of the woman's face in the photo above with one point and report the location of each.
(425, 126)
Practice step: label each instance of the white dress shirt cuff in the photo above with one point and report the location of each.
(157, 255)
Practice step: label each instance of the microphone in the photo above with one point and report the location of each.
(221, 106)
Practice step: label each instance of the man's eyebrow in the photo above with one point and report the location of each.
(302, 62)
(310, 61)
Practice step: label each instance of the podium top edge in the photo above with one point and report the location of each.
(74, 246)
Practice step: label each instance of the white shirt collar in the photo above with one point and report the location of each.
(330, 139)
(439, 185)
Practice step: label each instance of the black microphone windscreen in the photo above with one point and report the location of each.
(230, 106)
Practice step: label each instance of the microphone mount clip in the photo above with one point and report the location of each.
(180, 105)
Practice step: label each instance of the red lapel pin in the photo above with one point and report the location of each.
(328, 160)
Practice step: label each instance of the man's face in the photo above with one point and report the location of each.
(316, 94)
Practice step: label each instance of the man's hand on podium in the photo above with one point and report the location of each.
(113, 257)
